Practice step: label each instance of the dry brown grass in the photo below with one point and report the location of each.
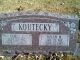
(61, 6)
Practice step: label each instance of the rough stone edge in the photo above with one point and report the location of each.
(5, 15)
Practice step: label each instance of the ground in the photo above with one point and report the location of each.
(61, 6)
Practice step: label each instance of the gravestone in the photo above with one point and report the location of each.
(38, 31)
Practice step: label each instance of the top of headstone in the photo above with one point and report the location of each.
(58, 15)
